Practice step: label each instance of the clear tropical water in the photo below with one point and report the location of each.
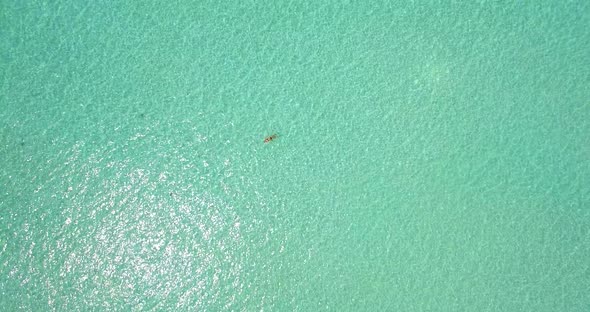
(430, 157)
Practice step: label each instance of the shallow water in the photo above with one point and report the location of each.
(428, 157)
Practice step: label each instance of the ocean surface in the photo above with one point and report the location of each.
(430, 156)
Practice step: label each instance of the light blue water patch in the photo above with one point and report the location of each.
(428, 156)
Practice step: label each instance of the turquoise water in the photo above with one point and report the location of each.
(430, 157)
